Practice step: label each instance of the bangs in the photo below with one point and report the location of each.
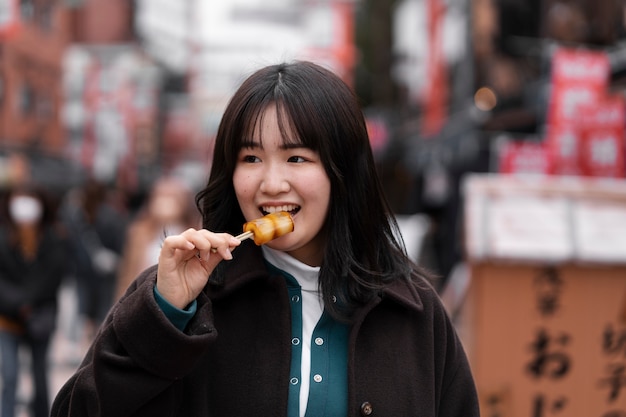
(252, 134)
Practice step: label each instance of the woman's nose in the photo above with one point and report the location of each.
(274, 181)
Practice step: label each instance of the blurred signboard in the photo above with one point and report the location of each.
(522, 157)
(586, 124)
(547, 340)
(601, 128)
(545, 218)
(545, 313)
(592, 146)
(579, 76)
(110, 110)
(599, 231)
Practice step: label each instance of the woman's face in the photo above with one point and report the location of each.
(270, 176)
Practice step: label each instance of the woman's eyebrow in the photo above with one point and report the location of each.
(251, 144)
(255, 144)
(293, 145)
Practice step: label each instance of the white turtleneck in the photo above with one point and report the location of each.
(312, 308)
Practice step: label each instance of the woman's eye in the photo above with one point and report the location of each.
(296, 159)
(250, 159)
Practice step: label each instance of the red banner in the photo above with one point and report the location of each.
(436, 91)
(579, 77)
(585, 127)
(523, 158)
(563, 147)
(602, 148)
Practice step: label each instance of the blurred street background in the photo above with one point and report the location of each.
(497, 126)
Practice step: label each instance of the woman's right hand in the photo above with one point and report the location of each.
(186, 261)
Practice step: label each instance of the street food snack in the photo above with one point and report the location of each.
(269, 227)
(266, 228)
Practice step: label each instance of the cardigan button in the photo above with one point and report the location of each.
(366, 409)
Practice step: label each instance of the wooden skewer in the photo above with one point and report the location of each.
(241, 237)
(245, 235)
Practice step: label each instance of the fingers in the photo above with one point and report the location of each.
(186, 262)
(201, 243)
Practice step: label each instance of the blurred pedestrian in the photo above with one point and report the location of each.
(97, 231)
(169, 210)
(33, 261)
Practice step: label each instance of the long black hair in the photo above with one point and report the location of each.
(364, 250)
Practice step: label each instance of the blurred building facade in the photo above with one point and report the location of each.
(36, 38)
(127, 91)
(31, 64)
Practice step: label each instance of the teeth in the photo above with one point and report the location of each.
(273, 209)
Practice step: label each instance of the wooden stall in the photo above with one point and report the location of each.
(544, 317)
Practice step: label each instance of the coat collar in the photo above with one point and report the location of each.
(405, 292)
(249, 266)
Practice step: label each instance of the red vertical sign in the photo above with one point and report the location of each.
(343, 48)
(436, 94)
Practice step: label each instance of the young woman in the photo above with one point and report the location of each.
(331, 319)
(33, 259)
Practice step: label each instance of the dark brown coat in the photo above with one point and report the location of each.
(234, 357)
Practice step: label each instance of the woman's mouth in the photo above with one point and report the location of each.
(289, 208)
